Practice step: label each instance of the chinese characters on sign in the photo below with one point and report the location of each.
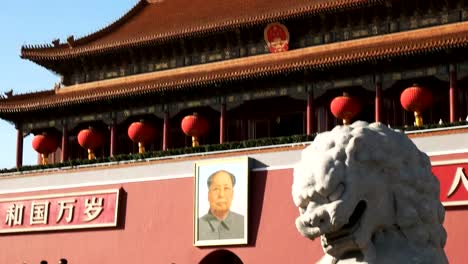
(460, 177)
(59, 211)
(453, 180)
(14, 215)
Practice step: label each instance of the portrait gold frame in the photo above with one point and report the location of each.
(238, 166)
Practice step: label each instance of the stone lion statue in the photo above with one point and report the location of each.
(370, 195)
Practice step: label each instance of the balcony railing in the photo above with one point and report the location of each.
(256, 144)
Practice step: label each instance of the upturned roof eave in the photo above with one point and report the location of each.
(318, 57)
(28, 51)
(40, 54)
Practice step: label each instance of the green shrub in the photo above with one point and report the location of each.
(204, 148)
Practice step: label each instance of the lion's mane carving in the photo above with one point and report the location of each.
(370, 195)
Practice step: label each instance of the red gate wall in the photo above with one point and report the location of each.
(157, 228)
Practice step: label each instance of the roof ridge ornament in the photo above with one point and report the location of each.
(57, 87)
(56, 42)
(71, 41)
(7, 94)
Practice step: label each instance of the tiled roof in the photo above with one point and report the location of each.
(155, 21)
(324, 56)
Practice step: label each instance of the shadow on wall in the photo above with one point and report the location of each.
(221, 256)
(256, 194)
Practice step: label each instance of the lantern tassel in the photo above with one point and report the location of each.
(195, 142)
(418, 120)
(91, 155)
(141, 147)
(44, 158)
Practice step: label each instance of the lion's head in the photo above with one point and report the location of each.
(367, 191)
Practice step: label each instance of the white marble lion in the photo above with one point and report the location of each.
(370, 195)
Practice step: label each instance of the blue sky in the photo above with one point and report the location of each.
(39, 22)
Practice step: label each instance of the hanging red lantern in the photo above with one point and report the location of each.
(194, 126)
(416, 99)
(44, 144)
(345, 107)
(142, 133)
(90, 139)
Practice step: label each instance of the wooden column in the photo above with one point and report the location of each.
(222, 123)
(165, 131)
(244, 128)
(19, 146)
(113, 137)
(310, 113)
(64, 156)
(453, 93)
(378, 101)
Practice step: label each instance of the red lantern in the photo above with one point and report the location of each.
(194, 126)
(416, 99)
(345, 107)
(90, 139)
(44, 144)
(141, 133)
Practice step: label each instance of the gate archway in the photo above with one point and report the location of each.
(221, 256)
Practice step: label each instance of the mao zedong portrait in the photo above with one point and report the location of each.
(220, 222)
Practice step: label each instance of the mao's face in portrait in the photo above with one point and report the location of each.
(220, 194)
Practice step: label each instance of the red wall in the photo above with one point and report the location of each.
(157, 228)
(456, 225)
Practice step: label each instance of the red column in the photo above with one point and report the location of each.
(453, 94)
(222, 122)
(113, 137)
(310, 113)
(244, 128)
(378, 102)
(165, 131)
(19, 147)
(64, 156)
